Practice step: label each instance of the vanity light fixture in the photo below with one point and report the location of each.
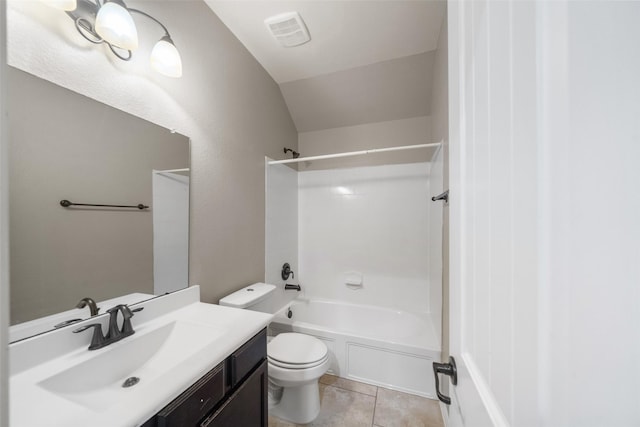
(111, 22)
(165, 58)
(115, 25)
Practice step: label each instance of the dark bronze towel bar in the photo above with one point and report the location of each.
(67, 204)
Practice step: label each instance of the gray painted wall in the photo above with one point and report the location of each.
(225, 102)
(389, 90)
(63, 145)
(362, 137)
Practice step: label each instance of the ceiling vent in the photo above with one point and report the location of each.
(288, 29)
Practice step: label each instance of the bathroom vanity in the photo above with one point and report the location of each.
(232, 393)
(187, 364)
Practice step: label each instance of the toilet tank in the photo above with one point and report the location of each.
(253, 297)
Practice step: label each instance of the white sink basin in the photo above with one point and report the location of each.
(56, 380)
(96, 383)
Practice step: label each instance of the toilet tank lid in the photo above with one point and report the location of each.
(248, 296)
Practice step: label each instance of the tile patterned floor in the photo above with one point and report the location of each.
(346, 403)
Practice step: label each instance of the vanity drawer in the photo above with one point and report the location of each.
(248, 357)
(192, 405)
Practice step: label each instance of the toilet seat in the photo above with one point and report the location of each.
(292, 350)
(284, 365)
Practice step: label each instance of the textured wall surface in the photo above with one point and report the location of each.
(225, 101)
(388, 90)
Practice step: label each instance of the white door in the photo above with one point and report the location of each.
(545, 213)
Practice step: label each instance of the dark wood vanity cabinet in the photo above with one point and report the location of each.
(234, 393)
(247, 406)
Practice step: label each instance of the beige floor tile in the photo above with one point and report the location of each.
(344, 408)
(277, 422)
(338, 408)
(349, 384)
(396, 409)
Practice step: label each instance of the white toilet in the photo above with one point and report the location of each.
(295, 362)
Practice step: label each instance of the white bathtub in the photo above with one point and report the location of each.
(375, 345)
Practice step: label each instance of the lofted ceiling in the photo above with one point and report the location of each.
(367, 61)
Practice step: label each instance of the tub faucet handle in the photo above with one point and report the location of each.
(286, 272)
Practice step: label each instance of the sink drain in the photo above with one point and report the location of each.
(130, 382)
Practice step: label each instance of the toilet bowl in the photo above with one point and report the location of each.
(295, 362)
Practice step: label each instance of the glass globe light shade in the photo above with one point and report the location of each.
(165, 58)
(115, 25)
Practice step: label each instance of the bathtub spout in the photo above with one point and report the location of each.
(288, 287)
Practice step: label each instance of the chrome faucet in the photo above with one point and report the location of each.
(292, 287)
(115, 334)
(93, 307)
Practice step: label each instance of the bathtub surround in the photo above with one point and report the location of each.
(281, 226)
(228, 105)
(372, 220)
(436, 254)
(368, 263)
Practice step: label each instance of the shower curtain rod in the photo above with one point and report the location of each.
(354, 153)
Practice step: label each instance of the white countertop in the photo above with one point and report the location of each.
(31, 404)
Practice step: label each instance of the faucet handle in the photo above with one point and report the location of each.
(127, 314)
(114, 332)
(117, 308)
(98, 339)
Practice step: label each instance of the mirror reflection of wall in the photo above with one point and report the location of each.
(66, 146)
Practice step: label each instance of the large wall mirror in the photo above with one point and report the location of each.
(65, 146)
